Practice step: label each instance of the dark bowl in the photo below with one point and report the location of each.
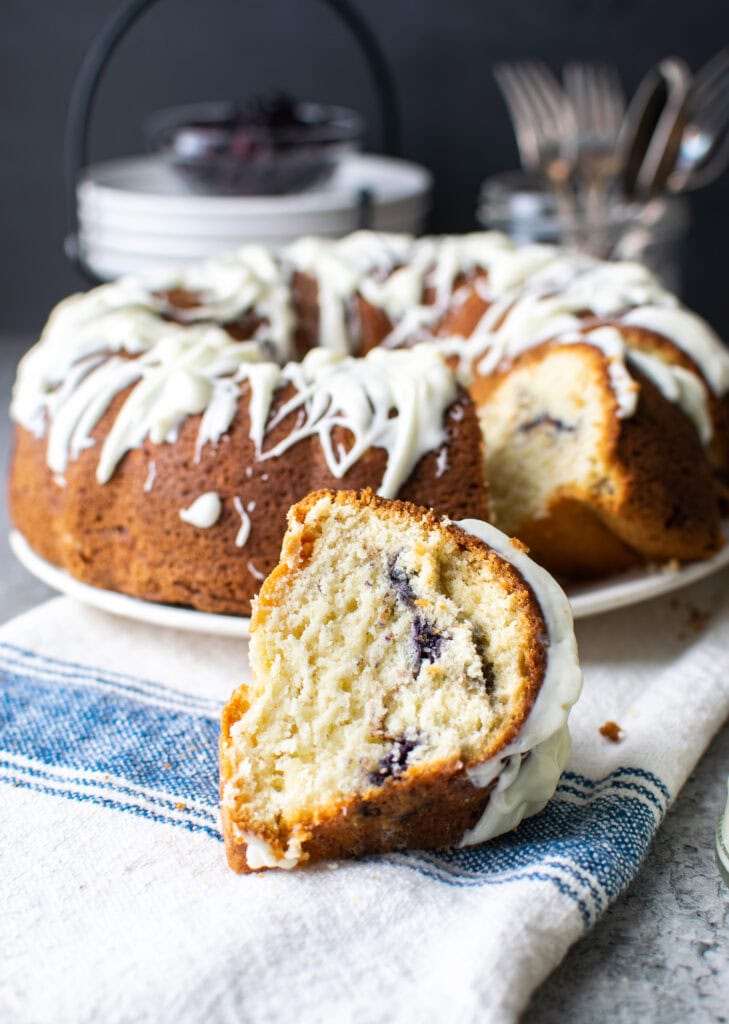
(258, 147)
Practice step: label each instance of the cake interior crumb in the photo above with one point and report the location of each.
(383, 646)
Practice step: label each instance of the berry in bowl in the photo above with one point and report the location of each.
(260, 146)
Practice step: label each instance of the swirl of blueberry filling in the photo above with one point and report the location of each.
(427, 639)
(394, 762)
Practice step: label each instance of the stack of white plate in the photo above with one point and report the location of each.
(139, 212)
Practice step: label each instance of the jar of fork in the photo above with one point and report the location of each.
(652, 233)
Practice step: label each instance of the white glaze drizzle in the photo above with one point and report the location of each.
(249, 279)
(538, 293)
(182, 371)
(151, 477)
(525, 784)
(255, 573)
(204, 511)
(689, 333)
(260, 855)
(342, 267)
(67, 381)
(361, 395)
(241, 538)
(548, 307)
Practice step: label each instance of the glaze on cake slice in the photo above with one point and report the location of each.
(412, 679)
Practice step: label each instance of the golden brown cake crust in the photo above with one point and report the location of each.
(118, 537)
(430, 810)
(435, 804)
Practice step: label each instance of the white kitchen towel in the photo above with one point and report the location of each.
(118, 906)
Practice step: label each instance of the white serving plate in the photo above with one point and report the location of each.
(643, 584)
(147, 186)
(100, 216)
(94, 235)
(119, 604)
(109, 261)
(586, 600)
(136, 214)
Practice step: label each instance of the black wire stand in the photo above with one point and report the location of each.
(95, 65)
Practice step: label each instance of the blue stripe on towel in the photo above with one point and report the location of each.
(60, 720)
(141, 748)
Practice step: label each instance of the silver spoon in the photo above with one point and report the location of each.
(652, 130)
(703, 152)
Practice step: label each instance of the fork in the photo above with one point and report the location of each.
(704, 150)
(597, 99)
(545, 129)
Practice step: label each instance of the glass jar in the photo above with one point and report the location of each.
(652, 233)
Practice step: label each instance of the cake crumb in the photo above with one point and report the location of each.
(611, 731)
(519, 545)
(698, 620)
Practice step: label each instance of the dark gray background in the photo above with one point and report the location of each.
(441, 52)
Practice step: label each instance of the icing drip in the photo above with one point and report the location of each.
(544, 294)
(560, 303)
(255, 573)
(98, 345)
(151, 476)
(204, 511)
(536, 293)
(250, 279)
(679, 386)
(69, 379)
(341, 268)
(525, 783)
(692, 335)
(244, 532)
(361, 396)
(391, 400)
(260, 855)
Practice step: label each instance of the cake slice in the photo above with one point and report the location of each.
(411, 684)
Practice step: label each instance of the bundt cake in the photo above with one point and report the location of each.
(166, 471)
(412, 679)
(165, 423)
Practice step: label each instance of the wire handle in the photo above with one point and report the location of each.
(95, 64)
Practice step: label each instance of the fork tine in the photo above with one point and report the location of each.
(532, 96)
(613, 98)
(577, 94)
(521, 114)
(511, 93)
(597, 99)
(546, 97)
(551, 89)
